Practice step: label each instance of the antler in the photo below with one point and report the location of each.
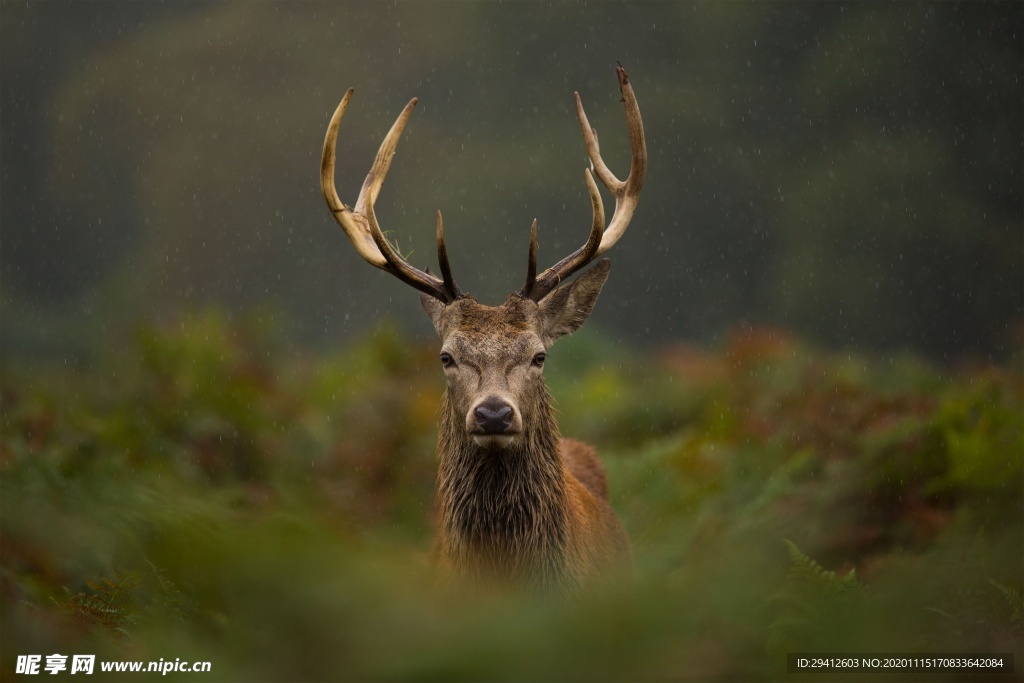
(360, 223)
(627, 194)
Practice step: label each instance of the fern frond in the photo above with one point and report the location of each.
(1013, 598)
(805, 571)
(110, 603)
(809, 598)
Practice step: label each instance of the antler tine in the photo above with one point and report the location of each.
(531, 265)
(382, 162)
(360, 224)
(442, 259)
(594, 148)
(553, 276)
(359, 236)
(627, 193)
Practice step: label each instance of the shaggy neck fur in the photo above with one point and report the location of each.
(502, 511)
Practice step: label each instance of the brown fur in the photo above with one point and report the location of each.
(581, 461)
(532, 512)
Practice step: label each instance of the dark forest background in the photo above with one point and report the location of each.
(849, 171)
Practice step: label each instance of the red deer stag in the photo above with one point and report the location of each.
(518, 504)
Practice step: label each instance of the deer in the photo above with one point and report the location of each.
(517, 505)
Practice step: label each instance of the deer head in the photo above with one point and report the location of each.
(493, 357)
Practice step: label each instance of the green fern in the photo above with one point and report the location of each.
(810, 596)
(109, 603)
(1014, 600)
(168, 598)
(119, 602)
(811, 576)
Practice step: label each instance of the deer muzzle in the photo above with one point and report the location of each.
(493, 422)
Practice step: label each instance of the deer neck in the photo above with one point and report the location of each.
(503, 511)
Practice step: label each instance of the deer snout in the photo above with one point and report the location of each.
(493, 422)
(493, 416)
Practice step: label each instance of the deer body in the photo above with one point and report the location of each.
(518, 505)
(534, 509)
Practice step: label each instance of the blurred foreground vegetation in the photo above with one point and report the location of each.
(203, 494)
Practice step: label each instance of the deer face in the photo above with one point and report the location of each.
(493, 356)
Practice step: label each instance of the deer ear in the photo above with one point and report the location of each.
(434, 309)
(565, 309)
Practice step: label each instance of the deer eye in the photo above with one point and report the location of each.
(538, 360)
(447, 360)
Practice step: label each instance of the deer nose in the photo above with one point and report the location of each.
(493, 416)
